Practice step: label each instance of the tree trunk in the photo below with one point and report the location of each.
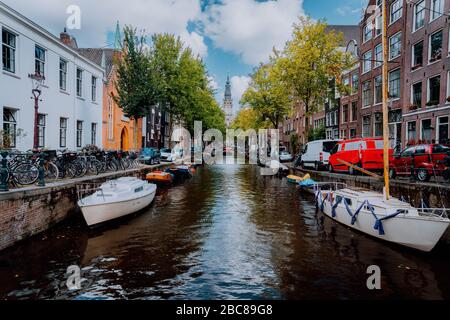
(136, 123)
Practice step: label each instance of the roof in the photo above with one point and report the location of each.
(96, 55)
(351, 32)
(45, 33)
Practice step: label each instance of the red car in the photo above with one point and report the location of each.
(366, 153)
(428, 161)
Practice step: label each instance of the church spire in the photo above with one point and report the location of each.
(118, 40)
(228, 96)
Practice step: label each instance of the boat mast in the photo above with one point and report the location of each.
(385, 13)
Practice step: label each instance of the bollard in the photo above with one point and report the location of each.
(41, 182)
(4, 173)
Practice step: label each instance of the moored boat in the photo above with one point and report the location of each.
(179, 172)
(115, 199)
(296, 179)
(160, 177)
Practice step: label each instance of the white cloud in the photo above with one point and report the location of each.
(250, 28)
(239, 85)
(100, 17)
(213, 84)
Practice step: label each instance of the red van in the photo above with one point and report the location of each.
(366, 153)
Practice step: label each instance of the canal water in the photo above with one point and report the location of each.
(228, 233)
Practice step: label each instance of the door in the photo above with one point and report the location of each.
(442, 135)
(124, 140)
(395, 136)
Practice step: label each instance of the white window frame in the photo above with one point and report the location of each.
(429, 88)
(399, 80)
(94, 89)
(79, 134)
(61, 130)
(398, 34)
(368, 25)
(413, 56)
(412, 93)
(79, 83)
(63, 74)
(408, 138)
(438, 125)
(14, 49)
(43, 62)
(415, 15)
(421, 126)
(94, 133)
(378, 60)
(434, 11)
(429, 46)
(399, 10)
(375, 90)
(42, 126)
(367, 60)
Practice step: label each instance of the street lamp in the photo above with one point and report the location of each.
(37, 80)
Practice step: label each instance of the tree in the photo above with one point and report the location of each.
(136, 82)
(310, 60)
(267, 94)
(246, 119)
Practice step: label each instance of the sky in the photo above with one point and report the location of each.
(231, 36)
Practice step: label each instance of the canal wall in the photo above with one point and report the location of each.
(29, 211)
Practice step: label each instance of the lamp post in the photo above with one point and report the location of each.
(37, 82)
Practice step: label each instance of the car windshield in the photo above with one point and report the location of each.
(440, 149)
(329, 146)
(147, 152)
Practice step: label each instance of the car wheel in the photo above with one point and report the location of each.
(392, 174)
(423, 175)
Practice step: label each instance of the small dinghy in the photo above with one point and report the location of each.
(160, 177)
(180, 172)
(115, 199)
(296, 179)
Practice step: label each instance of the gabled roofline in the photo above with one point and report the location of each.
(46, 34)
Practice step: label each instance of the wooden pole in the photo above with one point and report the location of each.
(385, 13)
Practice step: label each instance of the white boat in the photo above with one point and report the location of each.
(117, 198)
(390, 220)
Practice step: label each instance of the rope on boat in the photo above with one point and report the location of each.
(354, 216)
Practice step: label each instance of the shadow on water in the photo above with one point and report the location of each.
(228, 233)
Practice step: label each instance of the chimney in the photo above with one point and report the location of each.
(67, 39)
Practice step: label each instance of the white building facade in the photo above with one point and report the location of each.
(70, 113)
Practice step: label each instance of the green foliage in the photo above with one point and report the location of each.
(267, 94)
(317, 134)
(248, 118)
(294, 143)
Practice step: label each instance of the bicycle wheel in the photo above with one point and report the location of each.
(70, 171)
(25, 174)
(94, 167)
(51, 171)
(112, 166)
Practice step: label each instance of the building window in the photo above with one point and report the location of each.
(41, 130)
(63, 74)
(419, 15)
(435, 46)
(39, 61)
(110, 119)
(345, 113)
(427, 130)
(417, 55)
(79, 134)
(62, 132)
(354, 111)
(443, 130)
(93, 134)
(394, 84)
(368, 34)
(396, 10)
(367, 94)
(434, 88)
(94, 89)
(8, 51)
(355, 83)
(352, 133)
(437, 9)
(378, 56)
(395, 46)
(417, 94)
(378, 125)
(378, 89)
(412, 133)
(9, 128)
(378, 25)
(367, 63)
(79, 82)
(366, 127)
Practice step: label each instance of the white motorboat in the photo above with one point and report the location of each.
(390, 220)
(117, 198)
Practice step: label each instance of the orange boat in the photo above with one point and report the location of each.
(159, 177)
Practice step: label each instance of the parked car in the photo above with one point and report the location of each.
(427, 160)
(366, 153)
(166, 155)
(286, 156)
(316, 154)
(150, 156)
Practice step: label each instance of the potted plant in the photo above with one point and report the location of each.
(412, 107)
(448, 99)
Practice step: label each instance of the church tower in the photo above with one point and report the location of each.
(228, 103)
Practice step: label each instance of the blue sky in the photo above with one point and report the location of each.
(231, 36)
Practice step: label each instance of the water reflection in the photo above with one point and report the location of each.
(226, 234)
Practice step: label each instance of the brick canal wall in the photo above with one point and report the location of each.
(29, 211)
